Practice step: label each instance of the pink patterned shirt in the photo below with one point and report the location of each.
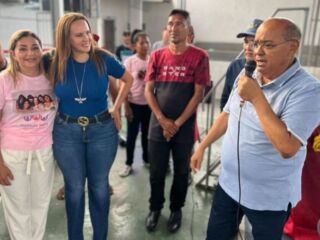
(28, 111)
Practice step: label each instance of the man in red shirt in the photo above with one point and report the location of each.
(175, 80)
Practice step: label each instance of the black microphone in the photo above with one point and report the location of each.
(249, 67)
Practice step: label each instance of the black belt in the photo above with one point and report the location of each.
(85, 121)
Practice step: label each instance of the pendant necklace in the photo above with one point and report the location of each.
(79, 99)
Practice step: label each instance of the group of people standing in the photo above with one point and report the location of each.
(161, 92)
(80, 130)
(84, 130)
(266, 121)
(170, 82)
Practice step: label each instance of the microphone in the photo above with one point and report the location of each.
(249, 68)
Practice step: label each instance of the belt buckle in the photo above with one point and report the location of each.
(83, 121)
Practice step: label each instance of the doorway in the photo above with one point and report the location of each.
(109, 34)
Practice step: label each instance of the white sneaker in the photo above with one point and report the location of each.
(126, 171)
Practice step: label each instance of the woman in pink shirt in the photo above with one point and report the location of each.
(136, 107)
(26, 159)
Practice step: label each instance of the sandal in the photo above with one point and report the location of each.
(110, 190)
(60, 194)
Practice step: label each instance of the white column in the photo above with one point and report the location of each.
(181, 4)
(57, 10)
(135, 14)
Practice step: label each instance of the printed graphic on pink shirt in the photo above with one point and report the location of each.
(35, 107)
(28, 111)
(141, 74)
(137, 67)
(35, 103)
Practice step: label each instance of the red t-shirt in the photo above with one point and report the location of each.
(175, 77)
(302, 224)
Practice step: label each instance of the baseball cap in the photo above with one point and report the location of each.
(251, 31)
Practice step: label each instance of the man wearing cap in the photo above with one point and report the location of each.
(266, 123)
(237, 65)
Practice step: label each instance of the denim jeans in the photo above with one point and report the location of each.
(86, 154)
(159, 154)
(266, 225)
(141, 117)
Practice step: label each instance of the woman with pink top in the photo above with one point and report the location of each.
(26, 159)
(137, 110)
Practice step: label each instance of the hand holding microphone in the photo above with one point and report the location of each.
(249, 67)
(247, 87)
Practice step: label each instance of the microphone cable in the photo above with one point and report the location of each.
(192, 210)
(249, 67)
(239, 171)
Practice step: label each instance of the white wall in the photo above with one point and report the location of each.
(13, 18)
(217, 70)
(221, 21)
(155, 16)
(118, 11)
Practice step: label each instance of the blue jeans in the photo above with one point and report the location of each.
(86, 154)
(266, 225)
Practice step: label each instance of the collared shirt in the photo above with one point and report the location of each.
(269, 182)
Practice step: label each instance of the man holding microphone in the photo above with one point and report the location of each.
(276, 119)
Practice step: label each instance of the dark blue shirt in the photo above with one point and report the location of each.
(233, 71)
(94, 88)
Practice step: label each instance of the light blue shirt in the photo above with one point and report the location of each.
(268, 181)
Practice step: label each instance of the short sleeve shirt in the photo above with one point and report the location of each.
(269, 182)
(85, 80)
(28, 111)
(137, 67)
(175, 77)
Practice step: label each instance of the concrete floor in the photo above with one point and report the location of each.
(129, 205)
(129, 208)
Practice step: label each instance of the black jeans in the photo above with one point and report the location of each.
(266, 225)
(159, 154)
(141, 117)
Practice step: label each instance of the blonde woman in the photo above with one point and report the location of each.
(86, 129)
(26, 159)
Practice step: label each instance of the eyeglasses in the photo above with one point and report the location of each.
(268, 44)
